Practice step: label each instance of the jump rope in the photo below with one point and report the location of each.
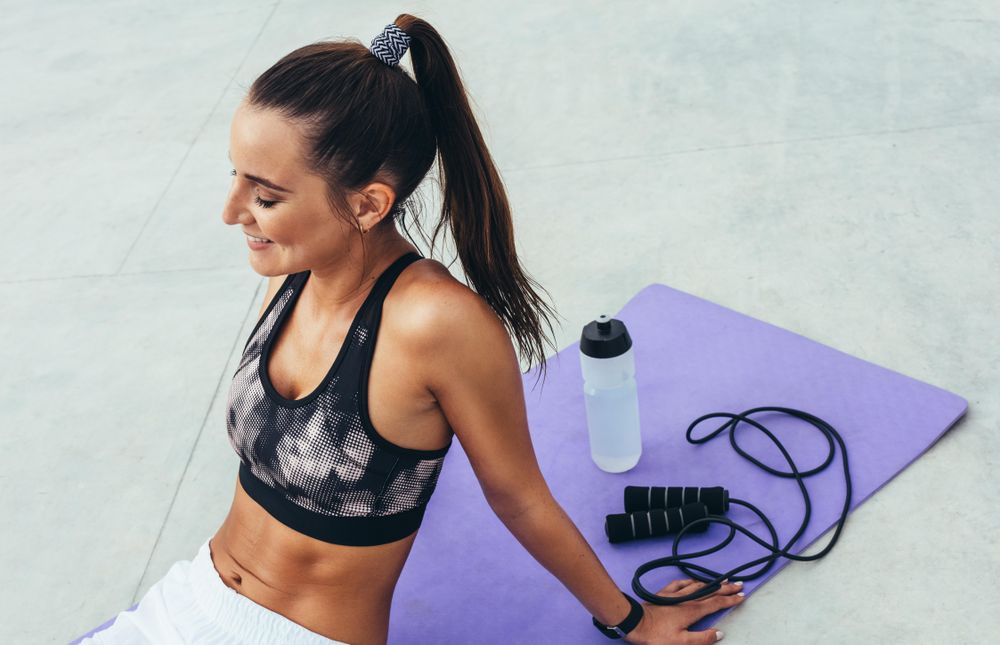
(652, 511)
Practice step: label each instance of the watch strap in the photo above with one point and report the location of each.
(624, 627)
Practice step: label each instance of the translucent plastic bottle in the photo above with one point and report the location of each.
(609, 391)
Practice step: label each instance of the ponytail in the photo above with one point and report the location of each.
(475, 201)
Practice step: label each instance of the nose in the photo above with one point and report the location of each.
(233, 210)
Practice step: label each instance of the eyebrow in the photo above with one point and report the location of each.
(261, 180)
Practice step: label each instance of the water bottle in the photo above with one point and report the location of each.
(610, 395)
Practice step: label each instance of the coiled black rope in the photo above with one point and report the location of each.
(713, 579)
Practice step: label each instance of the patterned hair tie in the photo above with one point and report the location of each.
(390, 45)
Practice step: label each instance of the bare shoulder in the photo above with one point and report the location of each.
(463, 355)
(445, 319)
(437, 304)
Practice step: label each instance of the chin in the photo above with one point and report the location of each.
(261, 270)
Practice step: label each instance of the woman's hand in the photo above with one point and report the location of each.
(667, 624)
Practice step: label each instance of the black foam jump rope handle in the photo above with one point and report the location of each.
(622, 527)
(642, 498)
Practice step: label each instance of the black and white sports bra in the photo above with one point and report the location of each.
(316, 463)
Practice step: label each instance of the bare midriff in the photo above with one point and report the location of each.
(342, 592)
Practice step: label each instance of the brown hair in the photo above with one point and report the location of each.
(365, 121)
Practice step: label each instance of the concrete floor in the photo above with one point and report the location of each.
(830, 168)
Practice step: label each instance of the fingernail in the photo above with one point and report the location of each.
(719, 635)
(741, 594)
(724, 581)
(738, 583)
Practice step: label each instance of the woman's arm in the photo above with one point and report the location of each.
(472, 370)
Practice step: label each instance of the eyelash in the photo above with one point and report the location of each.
(263, 203)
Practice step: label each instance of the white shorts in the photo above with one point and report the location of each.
(191, 604)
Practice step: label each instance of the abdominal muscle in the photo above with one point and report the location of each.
(342, 592)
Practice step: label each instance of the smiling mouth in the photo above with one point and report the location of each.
(258, 239)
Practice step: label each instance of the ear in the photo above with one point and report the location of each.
(373, 204)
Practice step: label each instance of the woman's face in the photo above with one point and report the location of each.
(291, 212)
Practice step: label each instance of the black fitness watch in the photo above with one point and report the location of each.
(624, 627)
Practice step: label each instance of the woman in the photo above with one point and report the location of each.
(327, 145)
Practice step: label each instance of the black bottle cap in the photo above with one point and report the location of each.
(605, 337)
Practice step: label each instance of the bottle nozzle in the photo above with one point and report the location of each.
(604, 337)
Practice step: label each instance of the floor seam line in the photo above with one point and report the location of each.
(752, 144)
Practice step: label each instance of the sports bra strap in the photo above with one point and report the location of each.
(388, 277)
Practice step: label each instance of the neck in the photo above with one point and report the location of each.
(336, 289)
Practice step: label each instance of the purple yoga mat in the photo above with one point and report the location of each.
(468, 580)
